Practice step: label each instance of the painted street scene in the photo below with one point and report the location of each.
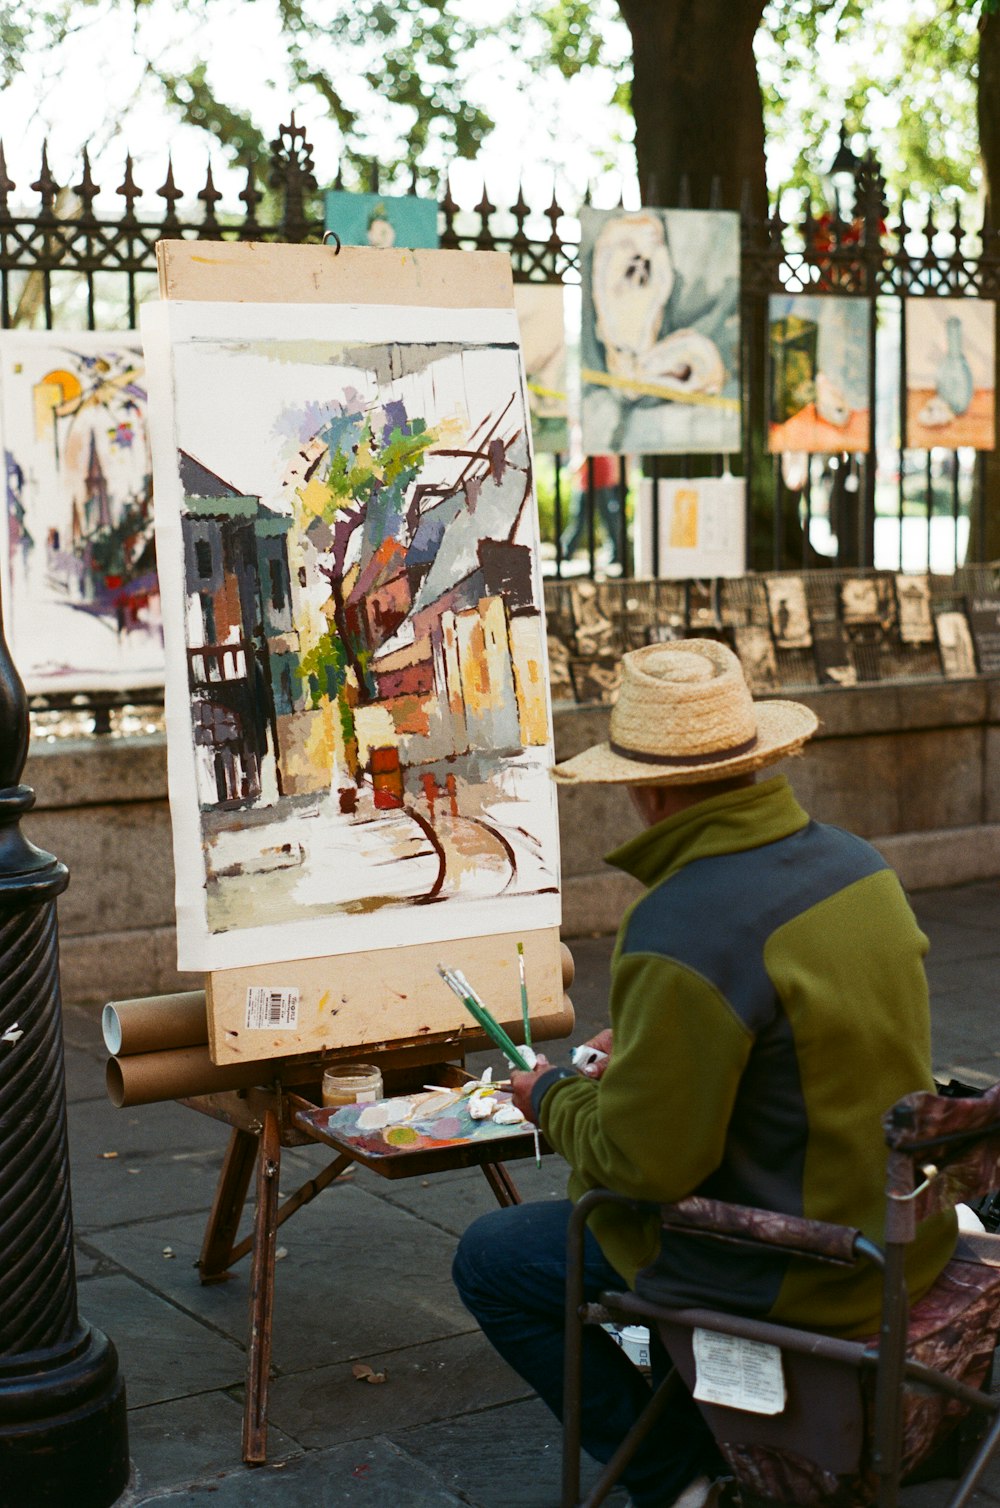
(81, 595)
(368, 707)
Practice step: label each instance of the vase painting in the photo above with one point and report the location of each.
(950, 397)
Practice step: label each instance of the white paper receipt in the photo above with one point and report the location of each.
(272, 1010)
(738, 1373)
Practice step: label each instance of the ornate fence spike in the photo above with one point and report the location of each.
(374, 177)
(129, 190)
(449, 208)
(250, 195)
(414, 181)
(86, 190)
(209, 197)
(930, 232)
(7, 184)
(588, 194)
(484, 209)
(170, 193)
(292, 173)
(554, 214)
(45, 184)
(338, 182)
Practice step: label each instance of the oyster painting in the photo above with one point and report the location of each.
(950, 345)
(661, 331)
(819, 374)
(357, 706)
(78, 584)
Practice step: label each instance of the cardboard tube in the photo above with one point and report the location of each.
(155, 1024)
(142, 1078)
(568, 966)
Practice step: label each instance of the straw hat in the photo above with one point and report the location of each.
(684, 715)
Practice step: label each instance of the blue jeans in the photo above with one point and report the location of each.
(510, 1272)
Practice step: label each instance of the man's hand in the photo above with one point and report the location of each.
(603, 1044)
(521, 1085)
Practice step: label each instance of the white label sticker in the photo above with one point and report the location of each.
(738, 1373)
(272, 1010)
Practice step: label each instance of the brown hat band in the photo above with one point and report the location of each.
(683, 759)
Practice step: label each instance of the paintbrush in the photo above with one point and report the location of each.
(524, 995)
(457, 982)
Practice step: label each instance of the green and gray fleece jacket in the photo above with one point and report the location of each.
(768, 1003)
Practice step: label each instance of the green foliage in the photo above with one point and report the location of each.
(911, 83)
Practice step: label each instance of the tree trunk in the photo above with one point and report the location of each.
(696, 99)
(989, 146)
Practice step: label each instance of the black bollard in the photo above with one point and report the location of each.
(63, 1435)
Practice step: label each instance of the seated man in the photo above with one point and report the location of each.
(768, 1003)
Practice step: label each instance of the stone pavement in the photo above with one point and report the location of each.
(364, 1276)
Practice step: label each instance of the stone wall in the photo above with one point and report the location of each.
(915, 768)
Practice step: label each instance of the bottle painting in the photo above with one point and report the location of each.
(954, 384)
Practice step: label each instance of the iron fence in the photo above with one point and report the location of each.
(66, 260)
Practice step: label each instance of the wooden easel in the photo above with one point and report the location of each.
(263, 1121)
(385, 998)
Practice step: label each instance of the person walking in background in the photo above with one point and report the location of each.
(609, 483)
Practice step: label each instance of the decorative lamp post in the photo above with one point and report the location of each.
(63, 1437)
(840, 178)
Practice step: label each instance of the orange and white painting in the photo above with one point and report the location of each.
(358, 718)
(950, 398)
(819, 365)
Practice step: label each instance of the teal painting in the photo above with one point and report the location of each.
(382, 220)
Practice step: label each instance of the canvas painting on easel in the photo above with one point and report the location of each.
(358, 718)
(79, 587)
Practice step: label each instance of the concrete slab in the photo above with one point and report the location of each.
(359, 1276)
(442, 1379)
(452, 1201)
(164, 1352)
(966, 905)
(484, 1456)
(84, 1077)
(372, 1475)
(140, 1163)
(190, 1439)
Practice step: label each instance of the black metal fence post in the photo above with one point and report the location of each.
(63, 1435)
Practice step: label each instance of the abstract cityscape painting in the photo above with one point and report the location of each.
(357, 705)
(660, 337)
(77, 556)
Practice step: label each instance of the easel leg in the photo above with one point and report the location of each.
(227, 1207)
(262, 1292)
(500, 1181)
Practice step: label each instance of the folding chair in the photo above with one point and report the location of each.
(860, 1416)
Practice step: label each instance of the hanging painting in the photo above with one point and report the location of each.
(78, 585)
(820, 360)
(661, 330)
(950, 354)
(358, 721)
(543, 344)
(382, 220)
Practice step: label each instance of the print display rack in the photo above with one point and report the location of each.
(386, 1004)
(793, 630)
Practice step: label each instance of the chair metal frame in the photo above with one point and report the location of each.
(943, 1182)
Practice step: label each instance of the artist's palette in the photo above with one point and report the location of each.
(414, 1123)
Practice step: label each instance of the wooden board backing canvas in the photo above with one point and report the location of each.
(375, 982)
